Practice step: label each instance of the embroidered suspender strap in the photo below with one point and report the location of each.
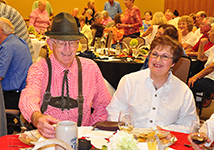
(80, 98)
(47, 95)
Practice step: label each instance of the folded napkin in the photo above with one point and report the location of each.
(88, 132)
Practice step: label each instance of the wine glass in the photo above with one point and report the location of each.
(126, 120)
(198, 131)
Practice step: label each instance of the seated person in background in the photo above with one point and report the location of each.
(88, 17)
(148, 20)
(154, 95)
(193, 17)
(117, 33)
(64, 39)
(98, 17)
(169, 17)
(165, 29)
(106, 17)
(150, 33)
(39, 18)
(187, 38)
(204, 28)
(85, 29)
(210, 136)
(74, 14)
(204, 80)
(176, 16)
(18, 22)
(199, 18)
(15, 60)
(48, 7)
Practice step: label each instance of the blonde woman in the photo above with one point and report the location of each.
(158, 19)
(188, 38)
(85, 29)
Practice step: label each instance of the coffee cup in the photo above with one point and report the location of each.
(67, 131)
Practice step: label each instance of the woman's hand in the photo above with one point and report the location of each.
(44, 124)
(196, 146)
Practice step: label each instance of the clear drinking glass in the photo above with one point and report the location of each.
(198, 131)
(126, 120)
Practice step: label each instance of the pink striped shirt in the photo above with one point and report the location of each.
(40, 20)
(95, 92)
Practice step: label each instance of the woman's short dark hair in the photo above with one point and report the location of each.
(165, 40)
(117, 18)
(150, 13)
(169, 30)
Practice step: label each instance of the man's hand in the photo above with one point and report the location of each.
(191, 81)
(44, 124)
(196, 146)
(204, 41)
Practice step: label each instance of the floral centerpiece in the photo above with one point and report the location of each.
(133, 43)
(32, 30)
(122, 141)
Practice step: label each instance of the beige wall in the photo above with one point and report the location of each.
(24, 6)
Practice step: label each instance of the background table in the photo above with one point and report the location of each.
(113, 71)
(37, 46)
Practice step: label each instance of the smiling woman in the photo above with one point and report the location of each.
(154, 95)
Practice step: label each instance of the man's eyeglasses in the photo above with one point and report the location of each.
(163, 57)
(61, 44)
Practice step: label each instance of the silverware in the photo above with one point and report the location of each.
(187, 145)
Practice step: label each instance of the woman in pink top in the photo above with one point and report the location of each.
(39, 18)
(106, 17)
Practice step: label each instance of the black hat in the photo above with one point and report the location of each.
(64, 27)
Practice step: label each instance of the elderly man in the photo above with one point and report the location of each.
(204, 29)
(204, 80)
(48, 7)
(74, 14)
(199, 18)
(18, 22)
(113, 8)
(84, 88)
(39, 17)
(169, 16)
(15, 60)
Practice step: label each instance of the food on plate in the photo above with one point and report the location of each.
(30, 136)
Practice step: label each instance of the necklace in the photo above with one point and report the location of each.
(157, 85)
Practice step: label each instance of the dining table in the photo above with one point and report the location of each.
(113, 69)
(12, 142)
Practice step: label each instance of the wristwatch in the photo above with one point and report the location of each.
(129, 26)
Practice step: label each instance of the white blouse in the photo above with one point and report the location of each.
(171, 107)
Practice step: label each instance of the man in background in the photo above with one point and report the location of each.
(18, 22)
(199, 18)
(48, 7)
(15, 60)
(112, 7)
(74, 14)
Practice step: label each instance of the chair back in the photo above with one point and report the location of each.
(127, 40)
(181, 68)
(109, 40)
(93, 31)
(84, 41)
(44, 52)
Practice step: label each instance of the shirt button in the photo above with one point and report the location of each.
(151, 121)
(153, 108)
(155, 95)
